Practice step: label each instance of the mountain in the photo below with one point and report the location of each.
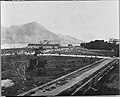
(68, 39)
(32, 33)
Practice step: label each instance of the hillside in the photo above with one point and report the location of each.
(32, 33)
(68, 39)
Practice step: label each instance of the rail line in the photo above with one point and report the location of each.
(96, 76)
(70, 83)
(60, 83)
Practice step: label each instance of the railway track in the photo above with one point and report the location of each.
(92, 80)
(77, 78)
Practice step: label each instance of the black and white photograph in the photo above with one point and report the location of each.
(65, 48)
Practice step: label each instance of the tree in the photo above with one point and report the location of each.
(41, 63)
(82, 44)
(36, 66)
(70, 45)
(17, 66)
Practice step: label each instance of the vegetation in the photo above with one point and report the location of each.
(36, 65)
(39, 70)
(16, 66)
(108, 85)
(101, 45)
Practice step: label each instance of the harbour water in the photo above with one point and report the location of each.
(6, 46)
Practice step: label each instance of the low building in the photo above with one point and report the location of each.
(44, 46)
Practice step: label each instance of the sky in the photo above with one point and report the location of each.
(84, 20)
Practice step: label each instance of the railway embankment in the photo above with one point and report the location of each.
(108, 85)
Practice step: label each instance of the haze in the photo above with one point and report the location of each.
(86, 21)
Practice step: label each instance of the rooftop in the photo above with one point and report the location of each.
(43, 45)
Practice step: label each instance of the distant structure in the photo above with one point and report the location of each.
(44, 46)
(114, 41)
(46, 41)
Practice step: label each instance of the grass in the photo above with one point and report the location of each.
(84, 51)
(56, 67)
(103, 52)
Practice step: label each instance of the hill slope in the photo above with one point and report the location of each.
(32, 33)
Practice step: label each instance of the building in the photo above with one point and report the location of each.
(115, 41)
(44, 46)
(12, 51)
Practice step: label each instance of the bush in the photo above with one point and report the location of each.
(9, 74)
